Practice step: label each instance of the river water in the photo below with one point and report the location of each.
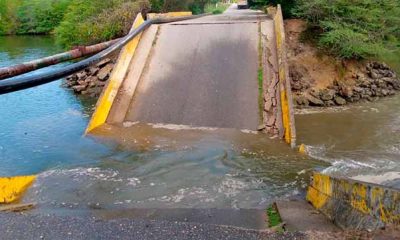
(154, 166)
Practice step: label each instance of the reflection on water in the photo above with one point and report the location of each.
(363, 139)
(14, 50)
(41, 128)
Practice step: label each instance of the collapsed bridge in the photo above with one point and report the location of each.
(223, 71)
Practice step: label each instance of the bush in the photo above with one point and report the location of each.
(40, 16)
(31, 16)
(287, 5)
(216, 7)
(89, 22)
(8, 21)
(356, 29)
(196, 6)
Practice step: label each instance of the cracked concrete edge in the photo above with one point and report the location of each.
(272, 114)
(284, 79)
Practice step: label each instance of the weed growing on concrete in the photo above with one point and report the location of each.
(274, 219)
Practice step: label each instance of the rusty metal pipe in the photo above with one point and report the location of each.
(82, 51)
(23, 82)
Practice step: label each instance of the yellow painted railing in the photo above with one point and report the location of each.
(118, 74)
(12, 188)
(347, 201)
(284, 81)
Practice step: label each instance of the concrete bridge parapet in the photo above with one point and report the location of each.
(353, 204)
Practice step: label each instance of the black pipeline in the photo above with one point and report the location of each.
(24, 82)
(84, 51)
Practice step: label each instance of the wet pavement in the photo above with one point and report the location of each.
(53, 227)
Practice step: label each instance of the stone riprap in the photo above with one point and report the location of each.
(91, 80)
(377, 81)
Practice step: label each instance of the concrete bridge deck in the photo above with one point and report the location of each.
(201, 72)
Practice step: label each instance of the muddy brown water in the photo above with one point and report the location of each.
(361, 141)
(160, 166)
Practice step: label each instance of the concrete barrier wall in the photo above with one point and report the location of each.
(284, 80)
(353, 204)
(118, 74)
(168, 15)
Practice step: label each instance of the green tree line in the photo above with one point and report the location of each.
(348, 28)
(31, 16)
(78, 22)
(344, 28)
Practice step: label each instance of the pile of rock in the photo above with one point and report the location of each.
(91, 80)
(377, 81)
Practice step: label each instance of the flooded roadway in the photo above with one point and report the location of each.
(157, 166)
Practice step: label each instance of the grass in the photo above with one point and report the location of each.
(274, 219)
(260, 90)
(392, 59)
(218, 8)
(260, 76)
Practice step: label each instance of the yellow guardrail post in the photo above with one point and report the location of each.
(12, 188)
(168, 15)
(118, 74)
(284, 81)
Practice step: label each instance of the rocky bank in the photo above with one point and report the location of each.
(321, 80)
(375, 81)
(91, 80)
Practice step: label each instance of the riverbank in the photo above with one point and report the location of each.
(320, 80)
(92, 80)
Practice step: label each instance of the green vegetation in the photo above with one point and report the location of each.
(260, 75)
(392, 58)
(195, 6)
(349, 29)
(287, 5)
(216, 7)
(274, 219)
(354, 29)
(88, 22)
(82, 22)
(31, 16)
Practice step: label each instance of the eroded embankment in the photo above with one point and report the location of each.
(321, 80)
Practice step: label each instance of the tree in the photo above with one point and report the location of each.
(356, 29)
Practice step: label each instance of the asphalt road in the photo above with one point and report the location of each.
(17, 226)
(202, 73)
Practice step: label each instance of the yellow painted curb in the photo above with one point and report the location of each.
(168, 15)
(303, 149)
(118, 74)
(320, 191)
(12, 188)
(338, 197)
(284, 80)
